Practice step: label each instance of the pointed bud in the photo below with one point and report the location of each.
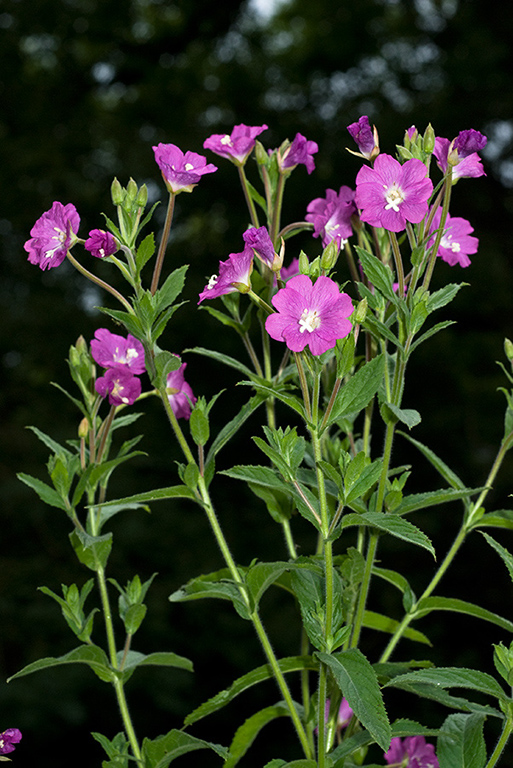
(142, 197)
(508, 349)
(131, 192)
(117, 193)
(360, 312)
(83, 428)
(429, 139)
(261, 155)
(329, 256)
(304, 265)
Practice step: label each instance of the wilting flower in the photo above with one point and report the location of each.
(8, 739)
(53, 234)
(331, 215)
(122, 387)
(300, 151)
(457, 242)
(259, 240)
(365, 137)
(234, 275)
(461, 154)
(180, 394)
(412, 752)
(390, 194)
(314, 314)
(101, 243)
(236, 146)
(181, 172)
(113, 351)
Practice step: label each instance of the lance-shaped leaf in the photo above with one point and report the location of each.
(454, 605)
(160, 752)
(373, 620)
(91, 655)
(441, 467)
(507, 558)
(218, 585)
(393, 524)
(461, 743)
(453, 677)
(359, 685)
(258, 675)
(416, 501)
(159, 494)
(47, 494)
(248, 731)
(359, 390)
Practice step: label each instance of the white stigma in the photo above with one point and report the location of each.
(131, 353)
(212, 282)
(394, 197)
(226, 140)
(448, 242)
(309, 321)
(188, 166)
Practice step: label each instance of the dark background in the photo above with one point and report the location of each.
(86, 88)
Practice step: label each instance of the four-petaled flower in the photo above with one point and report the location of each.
(181, 172)
(8, 739)
(180, 394)
(113, 351)
(53, 234)
(122, 387)
(461, 154)
(234, 275)
(310, 313)
(300, 151)
(412, 752)
(365, 137)
(331, 215)
(101, 243)
(390, 194)
(259, 240)
(236, 146)
(457, 242)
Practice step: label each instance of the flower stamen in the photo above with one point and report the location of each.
(309, 321)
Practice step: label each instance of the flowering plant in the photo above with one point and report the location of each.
(328, 345)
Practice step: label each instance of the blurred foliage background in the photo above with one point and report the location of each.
(86, 88)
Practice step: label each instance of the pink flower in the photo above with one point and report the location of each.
(331, 215)
(457, 242)
(365, 137)
(261, 244)
(314, 314)
(300, 151)
(413, 752)
(8, 739)
(122, 387)
(291, 271)
(461, 153)
(181, 172)
(180, 394)
(390, 194)
(234, 275)
(113, 351)
(237, 146)
(53, 234)
(100, 243)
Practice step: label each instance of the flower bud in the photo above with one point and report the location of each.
(429, 139)
(117, 193)
(508, 349)
(361, 312)
(83, 428)
(261, 155)
(304, 265)
(404, 154)
(131, 193)
(329, 256)
(142, 197)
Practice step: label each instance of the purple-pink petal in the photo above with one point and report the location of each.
(412, 752)
(113, 351)
(259, 240)
(464, 165)
(181, 171)
(300, 151)
(52, 236)
(121, 386)
(100, 244)
(181, 397)
(331, 215)
(8, 739)
(457, 242)
(363, 135)
(234, 273)
(236, 146)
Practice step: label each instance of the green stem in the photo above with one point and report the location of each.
(100, 283)
(127, 720)
(439, 234)
(398, 263)
(276, 214)
(249, 200)
(163, 244)
(503, 740)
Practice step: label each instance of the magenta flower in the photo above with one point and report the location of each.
(300, 151)
(413, 752)
(261, 244)
(122, 387)
(365, 137)
(234, 275)
(237, 146)
(331, 215)
(8, 739)
(180, 394)
(314, 314)
(113, 351)
(100, 243)
(181, 172)
(461, 153)
(53, 234)
(457, 242)
(291, 271)
(390, 194)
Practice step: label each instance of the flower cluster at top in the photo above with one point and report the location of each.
(8, 739)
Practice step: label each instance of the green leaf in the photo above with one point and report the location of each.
(440, 466)
(416, 501)
(453, 677)
(52, 444)
(217, 585)
(172, 288)
(400, 729)
(291, 401)
(430, 332)
(135, 659)
(380, 276)
(160, 752)
(461, 743)
(359, 390)
(392, 524)
(407, 416)
(377, 621)
(47, 494)
(145, 251)
(261, 576)
(359, 685)
(247, 733)
(231, 362)
(507, 558)
(429, 604)
(159, 494)
(442, 297)
(501, 518)
(233, 426)
(91, 655)
(127, 319)
(258, 675)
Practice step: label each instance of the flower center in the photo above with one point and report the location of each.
(212, 282)
(394, 197)
(226, 140)
(309, 321)
(189, 166)
(61, 239)
(451, 244)
(131, 354)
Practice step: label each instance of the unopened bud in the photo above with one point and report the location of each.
(360, 312)
(83, 428)
(131, 192)
(404, 154)
(330, 255)
(261, 155)
(508, 349)
(304, 264)
(142, 197)
(116, 192)
(429, 139)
